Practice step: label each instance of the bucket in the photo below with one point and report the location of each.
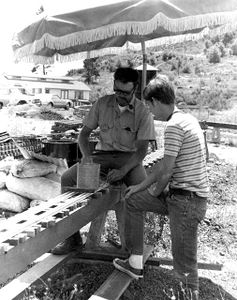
(64, 148)
(88, 176)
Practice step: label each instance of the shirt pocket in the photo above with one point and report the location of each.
(127, 137)
(105, 133)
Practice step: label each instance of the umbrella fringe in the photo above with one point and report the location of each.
(37, 59)
(174, 26)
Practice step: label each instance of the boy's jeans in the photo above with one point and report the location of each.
(185, 213)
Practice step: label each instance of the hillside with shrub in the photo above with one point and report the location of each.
(203, 72)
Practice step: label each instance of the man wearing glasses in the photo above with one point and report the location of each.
(126, 127)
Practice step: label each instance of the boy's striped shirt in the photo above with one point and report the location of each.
(184, 139)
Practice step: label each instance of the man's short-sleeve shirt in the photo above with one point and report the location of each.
(120, 130)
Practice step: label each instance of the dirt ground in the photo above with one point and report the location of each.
(227, 153)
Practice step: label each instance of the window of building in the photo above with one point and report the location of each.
(65, 94)
(78, 95)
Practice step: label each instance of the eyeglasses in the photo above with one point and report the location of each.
(121, 92)
(151, 100)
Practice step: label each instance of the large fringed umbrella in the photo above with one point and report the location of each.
(106, 29)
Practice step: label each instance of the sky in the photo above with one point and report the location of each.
(17, 14)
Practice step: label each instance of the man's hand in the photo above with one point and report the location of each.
(115, 175)
(132, 189)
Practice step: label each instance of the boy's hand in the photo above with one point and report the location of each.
(132, 189)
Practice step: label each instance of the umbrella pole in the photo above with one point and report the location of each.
(144, 59)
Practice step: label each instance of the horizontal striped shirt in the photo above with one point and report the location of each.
(184, 140)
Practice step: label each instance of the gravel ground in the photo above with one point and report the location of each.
(226, 153)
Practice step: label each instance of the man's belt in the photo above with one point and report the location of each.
(110, 152)
(181, 192)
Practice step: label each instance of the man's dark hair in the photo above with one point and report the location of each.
(161, 89)
(126, 75)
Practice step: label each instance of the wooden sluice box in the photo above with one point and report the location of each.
(27, 236)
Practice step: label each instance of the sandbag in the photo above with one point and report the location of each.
(3, 177)
(12, 202)
(28, 168)
(39, 188)
(6, 164)
(60, 170)
(54, 176)
(37, 202)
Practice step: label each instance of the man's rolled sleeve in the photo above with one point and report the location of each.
(91, 119)
(146, 129)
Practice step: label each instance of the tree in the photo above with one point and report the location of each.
(234, 48)
(179, 64)
(228, 38)
(91, 69)
(75, 72)
(214, 55)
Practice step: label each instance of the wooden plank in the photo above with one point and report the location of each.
(19, 257)
(107, 254)
(117, 282)
(149, 262)
(220, 125)
(156, 261)
(45, 265)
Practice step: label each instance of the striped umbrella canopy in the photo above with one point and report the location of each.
(100, 30)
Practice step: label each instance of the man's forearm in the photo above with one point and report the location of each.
(163, 173)
(150, 179)
(133, 162)
(137, 157)
(84, 146)
(162, 182)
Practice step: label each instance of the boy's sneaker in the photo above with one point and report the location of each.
(124, 266)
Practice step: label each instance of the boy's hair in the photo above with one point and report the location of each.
(126, 75)
(161, 89)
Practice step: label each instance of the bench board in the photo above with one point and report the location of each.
(117, 282)
(16, 289)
